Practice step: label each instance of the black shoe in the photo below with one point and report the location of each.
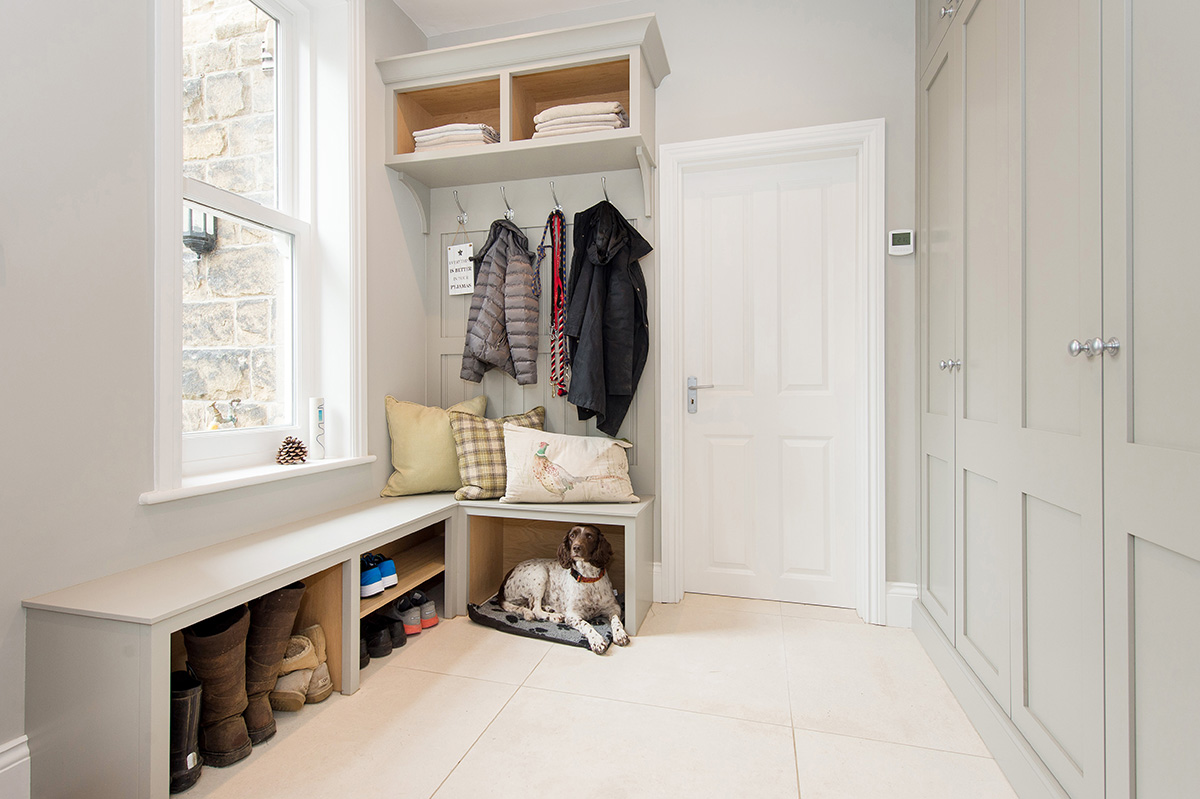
(391, 616)
(364, 657)
(378, 639)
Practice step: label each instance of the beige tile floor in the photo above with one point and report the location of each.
(716, 697)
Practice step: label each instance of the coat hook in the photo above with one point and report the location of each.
(510, 213)
(557, 204)
(604, 185)
(462, 215)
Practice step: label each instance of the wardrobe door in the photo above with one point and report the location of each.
(1151, 397)
(1058, 675)
(939, 240)
(987, 412)
(933, 20)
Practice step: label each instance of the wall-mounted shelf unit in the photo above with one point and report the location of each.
(505, 83)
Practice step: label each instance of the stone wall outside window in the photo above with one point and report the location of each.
(229, 302)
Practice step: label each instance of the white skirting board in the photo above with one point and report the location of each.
(1025, 771)
(14, 769)
(900, 598)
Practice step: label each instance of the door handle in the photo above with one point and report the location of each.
(693, 385)
(946, 11)
(951, 365)
(1094, 347)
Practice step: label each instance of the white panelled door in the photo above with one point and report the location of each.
(770, 473)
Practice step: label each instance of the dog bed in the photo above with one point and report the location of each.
(490, 614)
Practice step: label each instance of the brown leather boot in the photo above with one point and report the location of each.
(216, 651)
(271, 620)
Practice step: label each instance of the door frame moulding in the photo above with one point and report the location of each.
(864, 140)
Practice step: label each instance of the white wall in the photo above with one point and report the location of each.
(764, 65)
(76, 217)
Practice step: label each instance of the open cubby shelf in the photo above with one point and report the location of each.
(505, 83)
(413, 567)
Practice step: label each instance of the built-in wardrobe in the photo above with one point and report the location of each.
(1058, 191)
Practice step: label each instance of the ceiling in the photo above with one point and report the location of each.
(436, 17)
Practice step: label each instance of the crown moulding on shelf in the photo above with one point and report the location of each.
(444, 62)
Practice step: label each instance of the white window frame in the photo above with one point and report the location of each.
(329, 339)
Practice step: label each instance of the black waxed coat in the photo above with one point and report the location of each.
(607, 327)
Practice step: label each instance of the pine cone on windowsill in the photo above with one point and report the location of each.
(291, 451)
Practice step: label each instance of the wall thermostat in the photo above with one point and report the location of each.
(900, 242)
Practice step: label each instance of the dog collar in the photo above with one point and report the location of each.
(579, 578)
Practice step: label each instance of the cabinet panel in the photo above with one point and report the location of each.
(1055, 613)
(939, 558)
(1166, 163)
(985, 210)
(985, 604)
(942, 220)
(1166, 650)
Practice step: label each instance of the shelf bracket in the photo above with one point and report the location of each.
(646, 165)
(420, 193)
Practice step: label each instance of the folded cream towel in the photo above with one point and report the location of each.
(615, 120)
(579, 109)
(458, 127)
(420, 148)
(569, 129)
(457, 137)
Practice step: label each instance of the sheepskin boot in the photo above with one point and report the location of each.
(185, 730)
(271, 620)
(216, 653)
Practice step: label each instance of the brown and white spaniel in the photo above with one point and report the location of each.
(571, 589)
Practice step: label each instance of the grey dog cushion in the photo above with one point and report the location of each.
(490, 614)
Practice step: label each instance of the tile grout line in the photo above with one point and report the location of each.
(898, 743)
(482, 733)
(787, 678)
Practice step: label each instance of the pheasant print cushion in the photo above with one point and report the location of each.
(547, 467)
(479, 443)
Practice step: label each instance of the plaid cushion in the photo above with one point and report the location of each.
(480, 446)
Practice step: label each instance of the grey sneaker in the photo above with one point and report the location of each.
(429, 616)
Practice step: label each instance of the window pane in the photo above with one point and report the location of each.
(229, 91)
(237, 323)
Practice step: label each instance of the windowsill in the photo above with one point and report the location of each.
(240, 478)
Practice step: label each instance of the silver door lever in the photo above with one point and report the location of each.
(693, 385)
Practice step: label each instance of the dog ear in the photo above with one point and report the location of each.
(564, 551)
(604, 551)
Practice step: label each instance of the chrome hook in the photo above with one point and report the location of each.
(604, 185)
(510, 213)
(462, 215)
(557, 204)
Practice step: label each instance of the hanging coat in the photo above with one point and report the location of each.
(502, 328)
(607, 327)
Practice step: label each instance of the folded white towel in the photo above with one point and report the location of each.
(457, 127)
(614, 120)
(579, 109)
(566, 130)
(421, 148)
(457, 137)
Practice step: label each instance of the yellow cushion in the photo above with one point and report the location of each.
(423, 452)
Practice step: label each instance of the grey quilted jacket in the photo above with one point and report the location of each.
(502, 328)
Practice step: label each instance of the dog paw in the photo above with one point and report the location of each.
(621, 638)
(599, 647)
(554, 617)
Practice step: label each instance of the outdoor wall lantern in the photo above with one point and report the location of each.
(200, 232)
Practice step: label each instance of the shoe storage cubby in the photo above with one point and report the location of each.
(419, 557)
(498, 544)
(534, 92)
(505, 83)
(321, 604)
(477, 101)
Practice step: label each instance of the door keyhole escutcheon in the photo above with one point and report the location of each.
(693, 385)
